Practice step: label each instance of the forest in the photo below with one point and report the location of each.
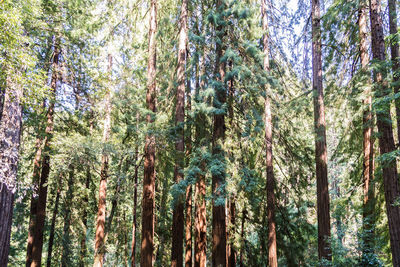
(198, 133)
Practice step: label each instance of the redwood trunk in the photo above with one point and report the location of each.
(272, 250)
(148, 203)
(386, 140)
(10, 131)
(101, 213)
(178, 213)
(394, 49)
(188, 205)
(37, 243)
(34, 199)
(200, 246)
(324, 227)
(133, 250)
(368, 144)
(53, 224)
(218, 178)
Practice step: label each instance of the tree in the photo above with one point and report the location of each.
(272, 251)
(178, 216)
(395, 56)
(324, 228)
(146, 255)
(218, 175)
(368, 144)
(10, 131)
(37, 243)
(386, 140)
(101, 214)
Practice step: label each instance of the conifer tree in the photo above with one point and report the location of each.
(386, 140)
(324, 228)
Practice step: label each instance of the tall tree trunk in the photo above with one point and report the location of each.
(218, 178)
(66, 257)
(135, 176)
(34, 197)
(394, 49)
(37, 243)
(324, 225)
(272, 250)
(53, 223)
(149, 178)
(188, 205)
(10, 132)
(386, 140)
(368, 144)
(178, 214)
(101, 214)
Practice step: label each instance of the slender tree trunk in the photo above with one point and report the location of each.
(66, 253)
(149, 178)
(53, 223)
(394, 49)
(101, 214)
(34, 198)
(83, 249)
(37, 243)
(200, 247)
(10, 132)
(218, 178)
(272, 250)
(386, 140)
(324, 226)
(368, 144)
(178, 213)
(188, 205)
(133, 250)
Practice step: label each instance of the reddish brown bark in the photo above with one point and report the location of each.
(386, 140)
(324, 226)
(188, 204)
(101, 213)
(218, 178)
(272, 250)
(395, 56)
(148, 203)
(34, 198)
(53, 223)
(135, 177)
(10, 131)
(200, 245)
(37, 243)
(368, 144)
(178, 212)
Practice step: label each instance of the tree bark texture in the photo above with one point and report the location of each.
(324, 226)
(101, 213)
(178, 209)
(10, 132)
(272, 249)
(386, 140)
(37, 243)
(148, 203)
